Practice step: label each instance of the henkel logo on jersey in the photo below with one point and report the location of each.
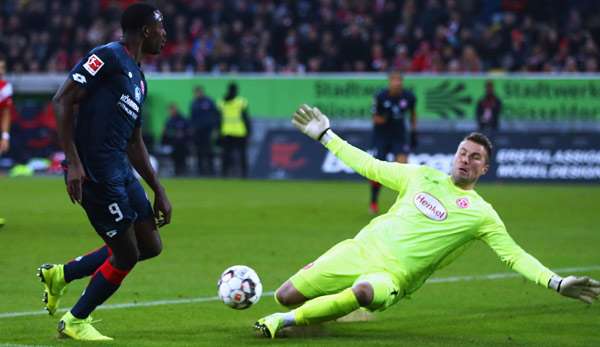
(431, 207)
(93, 64)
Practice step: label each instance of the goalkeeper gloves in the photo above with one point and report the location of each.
(581, 288)
(313, 123)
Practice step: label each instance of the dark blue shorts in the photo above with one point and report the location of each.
(385, 144)
(112, 208)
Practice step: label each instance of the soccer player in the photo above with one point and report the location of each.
(6, 102)
(391, 108)
(433, 220)
(98, 111)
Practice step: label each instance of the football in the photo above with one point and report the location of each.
(239, 287)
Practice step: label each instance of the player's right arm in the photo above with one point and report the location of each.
(65, 100)
(82, 79)
(393, 175)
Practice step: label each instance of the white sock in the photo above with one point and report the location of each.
(288, 319)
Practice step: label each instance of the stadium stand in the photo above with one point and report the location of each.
(318, 36)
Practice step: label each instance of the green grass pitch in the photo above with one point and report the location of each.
(277, 227)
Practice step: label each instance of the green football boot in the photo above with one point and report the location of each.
(53, 279)
(269, 325)
(72, 327)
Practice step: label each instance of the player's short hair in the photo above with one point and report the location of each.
(483, 140)
(395, 73)
(137, 15)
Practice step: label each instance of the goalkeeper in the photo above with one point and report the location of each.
(433, 220)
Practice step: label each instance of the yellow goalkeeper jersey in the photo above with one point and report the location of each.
(431, 222)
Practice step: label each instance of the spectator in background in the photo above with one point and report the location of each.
(488, 111)
(235, 130)
(5, 108)
(176, 135)
(204, 121)
(6, 103)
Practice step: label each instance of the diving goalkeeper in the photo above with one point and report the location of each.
(433, 220)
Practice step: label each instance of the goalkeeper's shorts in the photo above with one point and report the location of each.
(344, 265)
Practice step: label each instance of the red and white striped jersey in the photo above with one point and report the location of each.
(6, 92)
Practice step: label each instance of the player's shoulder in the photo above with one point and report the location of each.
(431, 173)
(382, 94)
(486, 208)
(408, 93)
(107, 50)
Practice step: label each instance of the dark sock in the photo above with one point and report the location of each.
(87, 264)
(104, 283)
(375, 187)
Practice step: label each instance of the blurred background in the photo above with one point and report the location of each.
(525, 72)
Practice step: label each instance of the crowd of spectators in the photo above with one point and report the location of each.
(286, 36)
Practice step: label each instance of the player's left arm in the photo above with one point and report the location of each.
(493, 232)
(139, 158)
(5, 129)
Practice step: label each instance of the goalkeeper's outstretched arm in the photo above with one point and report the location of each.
(493, 232)
(316, 125)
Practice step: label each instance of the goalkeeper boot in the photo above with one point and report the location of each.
(53, 279)
(79, 329)
(269, 325)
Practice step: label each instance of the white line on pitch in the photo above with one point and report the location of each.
(488, 277)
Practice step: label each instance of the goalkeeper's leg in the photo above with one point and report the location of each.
(375, 292)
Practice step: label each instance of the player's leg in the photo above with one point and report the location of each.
(321, 288)
(112, 216)
(226, 155)
(381, 150)
(146, 232)
(374, 292)
(77, 323)
(400, 146)
(55, 277)
(243, 156)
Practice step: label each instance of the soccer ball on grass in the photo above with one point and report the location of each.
(239, 287)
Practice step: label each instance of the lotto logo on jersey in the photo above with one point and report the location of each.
(93, 64)
(431, 207)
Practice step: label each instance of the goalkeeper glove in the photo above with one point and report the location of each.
(582, 288)
(313, 123)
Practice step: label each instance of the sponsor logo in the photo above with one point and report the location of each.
(448, 99)
(158, 16)
(431, 207)
(138, 94)
(283, 156)
(127, 101)
(463, 203)
(93, 64)
(77, 77)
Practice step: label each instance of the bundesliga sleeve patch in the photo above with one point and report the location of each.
(93, 64)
